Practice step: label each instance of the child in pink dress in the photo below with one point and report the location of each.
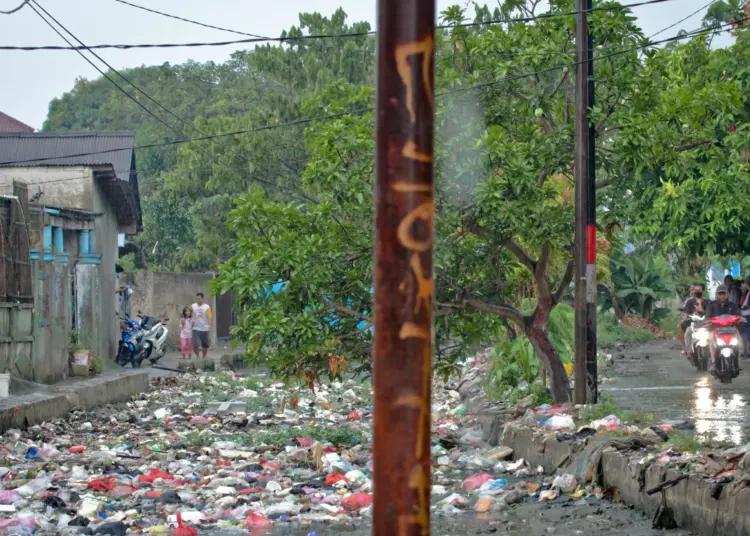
(186, 333)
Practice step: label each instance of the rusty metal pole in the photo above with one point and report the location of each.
(404, 222)
(581, 202)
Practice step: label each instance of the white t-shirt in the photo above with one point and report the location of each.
(201, 317)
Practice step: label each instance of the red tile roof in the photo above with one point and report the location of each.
(8, 124)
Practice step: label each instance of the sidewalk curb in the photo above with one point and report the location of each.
(34, 408)
(690, 500)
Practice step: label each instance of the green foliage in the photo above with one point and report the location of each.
(639, 282)
(127, 262)
(79, 340)
(607, 406)
(609, 331)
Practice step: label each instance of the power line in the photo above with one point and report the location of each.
(308, 120)
(19, 8)
(693, 14)
(157, 103)
(325, 36)
(94, 65)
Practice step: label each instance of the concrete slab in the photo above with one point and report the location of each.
(21, 411)
(224, 408)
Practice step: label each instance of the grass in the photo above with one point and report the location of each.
(669, 323)
(607, 406)
(684, 443)
(609, 332)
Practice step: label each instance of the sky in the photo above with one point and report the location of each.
(30, 80)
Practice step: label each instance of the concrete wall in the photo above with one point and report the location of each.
(96, 302)
(69, 187)
(165, 294)
(52, 304)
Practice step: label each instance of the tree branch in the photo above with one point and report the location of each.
(604, 183)
(503, 311)
(520, 254)
(355, 333)
(344, 309)
(695, 144)
(564, 282)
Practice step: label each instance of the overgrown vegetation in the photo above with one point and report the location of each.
(610, 331)
(607, 406)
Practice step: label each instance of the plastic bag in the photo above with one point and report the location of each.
(77, 449)
(103, 485)
(9, 496)
(475, 482)
(357, 501)
(560, 422)
(255, 520)
(334, 478)
(610, 422)
(183, 530)
(153, 475)
(565, 483)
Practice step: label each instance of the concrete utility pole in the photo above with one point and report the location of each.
(404, 221)
(592, 380)
(582, 178)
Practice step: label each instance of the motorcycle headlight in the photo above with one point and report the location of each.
(734, 342)
(701, 335)
(720, 342)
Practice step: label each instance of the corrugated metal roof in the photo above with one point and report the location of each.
(27, 149)
(10, 124)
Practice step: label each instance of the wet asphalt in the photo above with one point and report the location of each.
(653, 378)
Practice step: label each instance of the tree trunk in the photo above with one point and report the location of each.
(552, 362)
(537, 332)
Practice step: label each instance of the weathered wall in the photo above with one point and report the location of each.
(69, 187)
(106, 245)
(165, 294)
(52, 304)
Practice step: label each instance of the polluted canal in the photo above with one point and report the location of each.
(229, 455)
(655, 379)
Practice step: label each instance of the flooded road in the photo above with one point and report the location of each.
(654, 379)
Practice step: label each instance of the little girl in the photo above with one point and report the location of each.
(186, 333)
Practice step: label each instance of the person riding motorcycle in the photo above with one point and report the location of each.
(685, 322)
(695, 305)
(721, 305)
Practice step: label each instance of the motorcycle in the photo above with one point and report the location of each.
(725, 347)
(155, 337)
(699, 338)
(131, 348)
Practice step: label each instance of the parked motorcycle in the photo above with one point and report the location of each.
(725, 347)
(698, 337)
(155, 337)
(131, 348)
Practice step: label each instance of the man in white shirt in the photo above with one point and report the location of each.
(202, 316)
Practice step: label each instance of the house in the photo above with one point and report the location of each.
(82, 189)
(9, 124)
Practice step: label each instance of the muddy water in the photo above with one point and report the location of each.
(654, 378)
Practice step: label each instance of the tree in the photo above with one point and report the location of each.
(504, 150)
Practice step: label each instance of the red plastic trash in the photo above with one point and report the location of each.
(475, 482)
(103, 485)
(77, 449)
(355, 416)
(153, 475)
(183, 530)
(334, 478)
(357, 501)
(304, 442)
(255, 520)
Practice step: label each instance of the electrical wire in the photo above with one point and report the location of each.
(157, 103)
(329, 36)
(19, 8)
(308, 120)
(693, 14)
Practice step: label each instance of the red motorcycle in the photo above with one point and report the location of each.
(725, 347)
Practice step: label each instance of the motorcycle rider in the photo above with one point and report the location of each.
(733, 290)
(721, 305)
(696, 304)
(745, 312)
(685, 322)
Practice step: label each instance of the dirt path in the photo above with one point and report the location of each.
(654, 378)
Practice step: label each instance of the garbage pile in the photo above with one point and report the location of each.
(215, 451)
